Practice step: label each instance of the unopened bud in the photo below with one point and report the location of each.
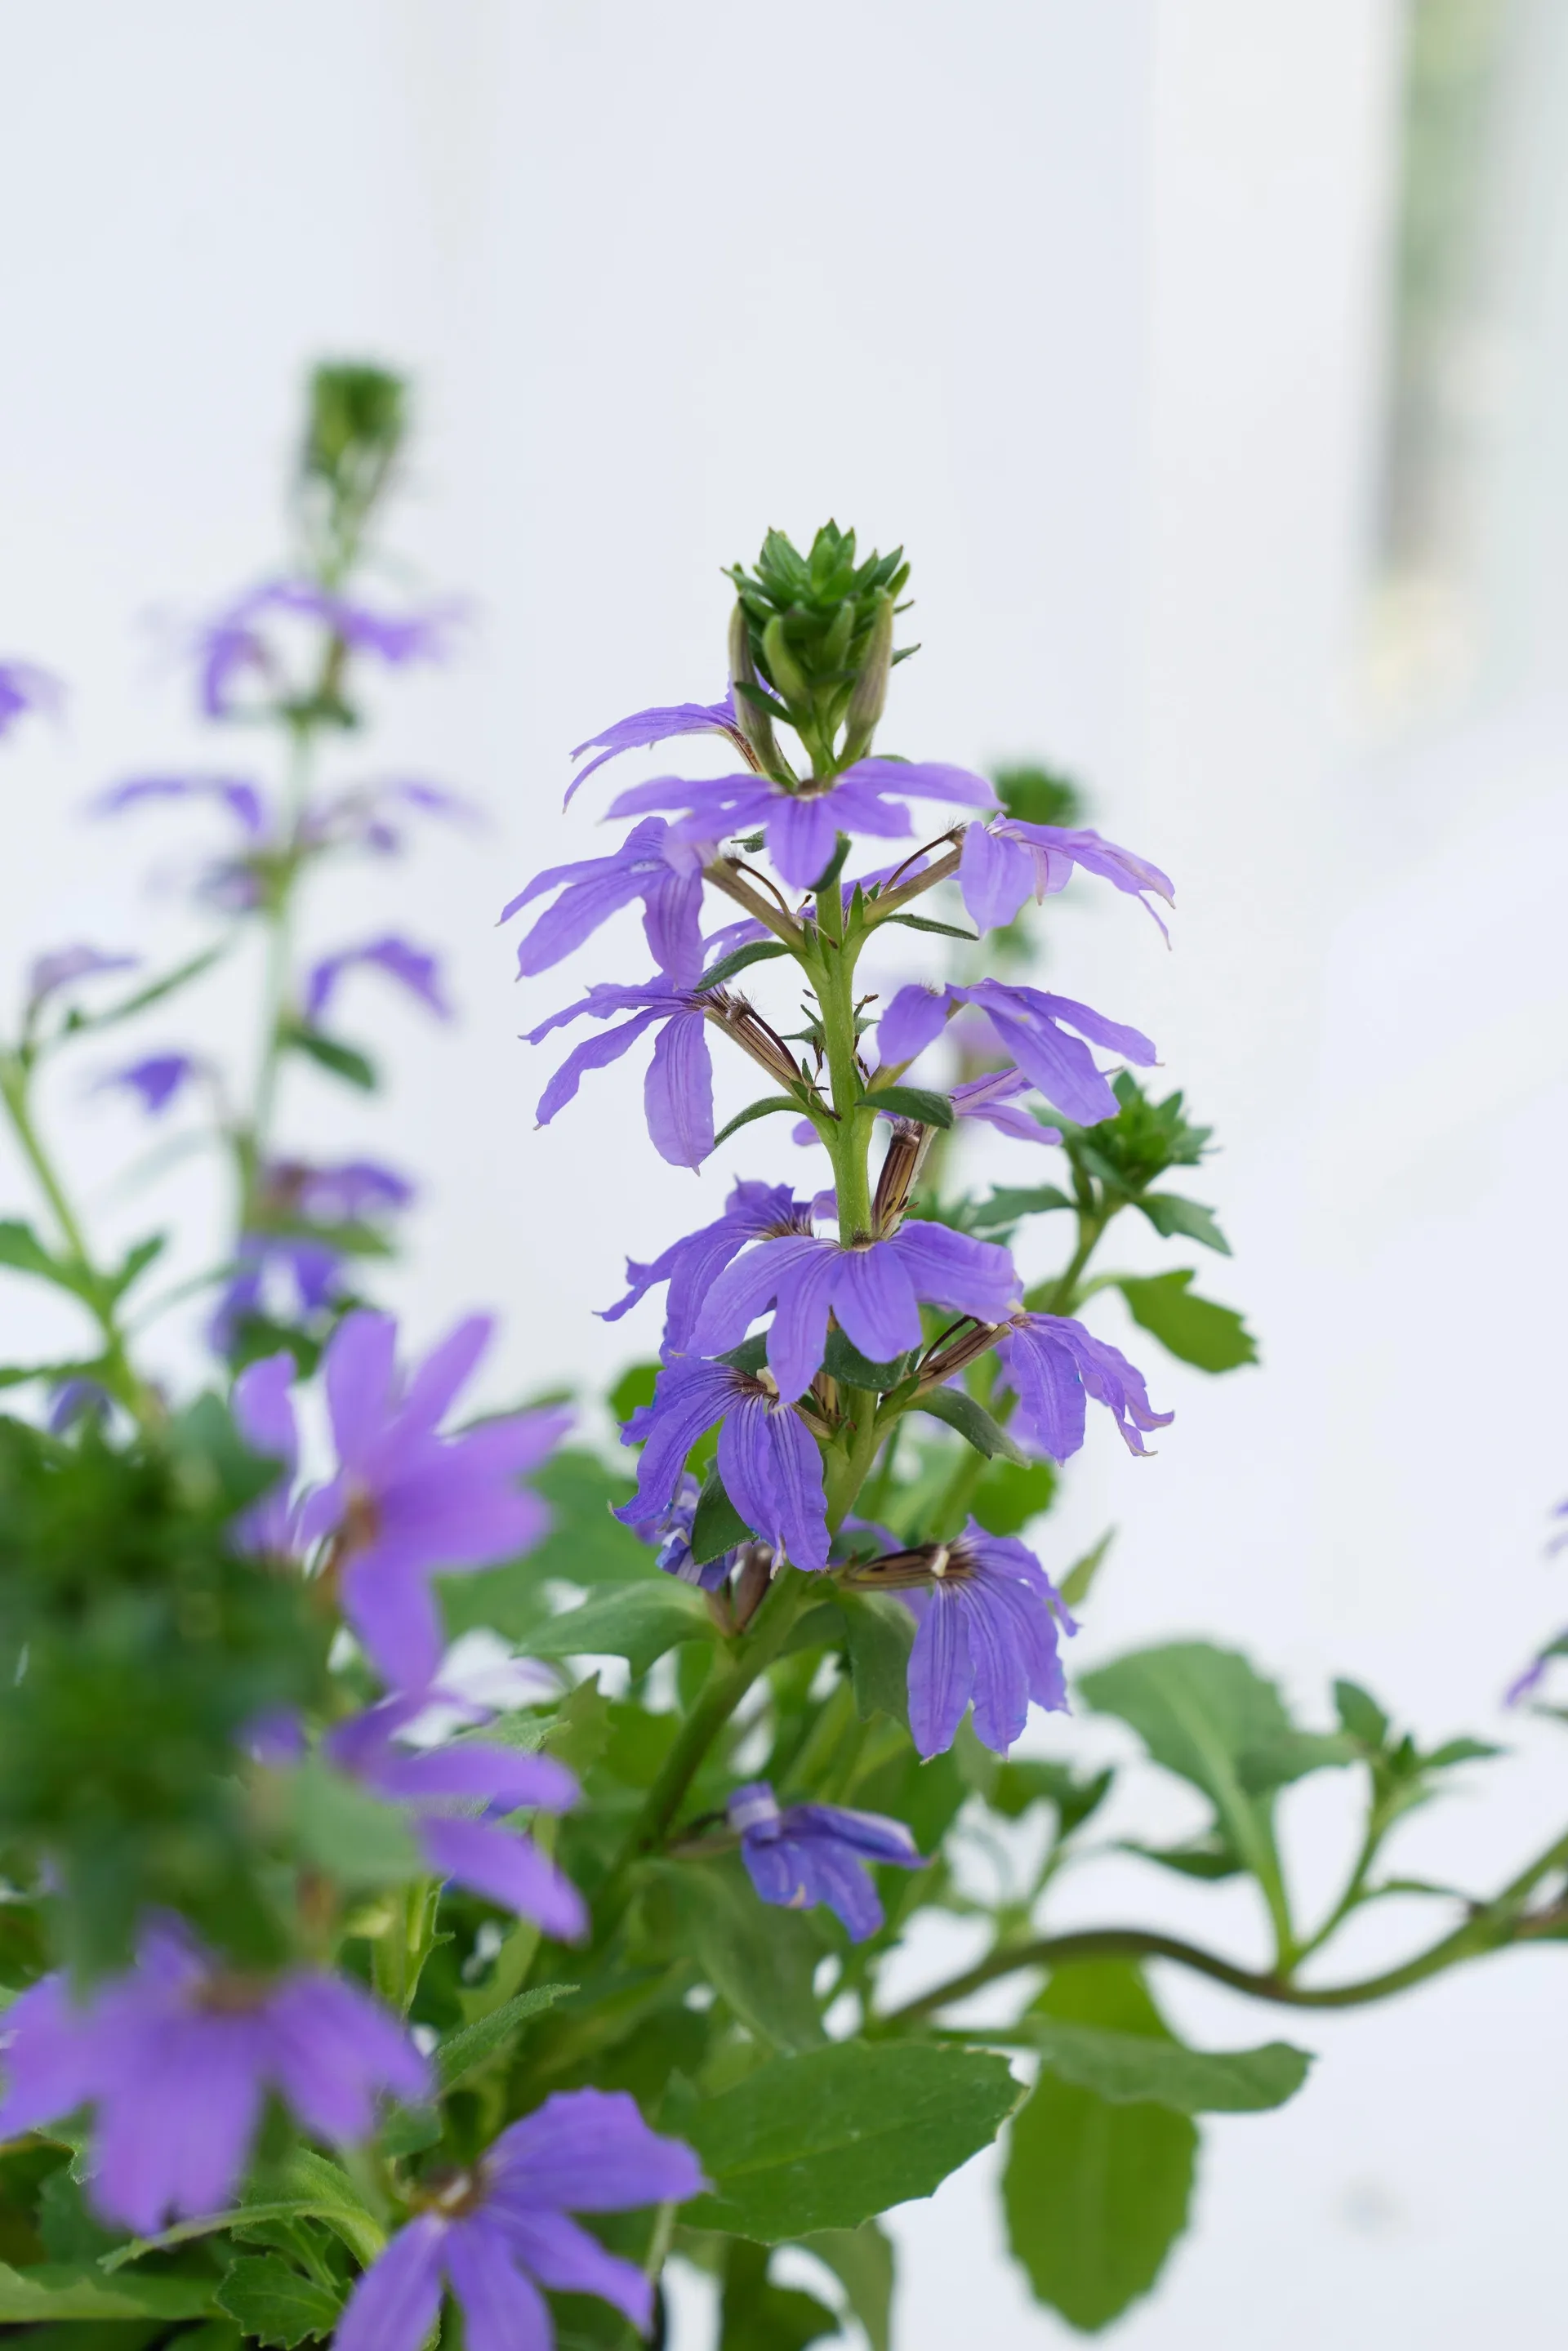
(751, 1582)
(870, 696)
(787, 675)
(906, 1150)
(754, 724)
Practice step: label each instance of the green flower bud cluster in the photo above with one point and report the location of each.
(815, 633)
(357, 420)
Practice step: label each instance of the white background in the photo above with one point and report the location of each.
(1087, 305)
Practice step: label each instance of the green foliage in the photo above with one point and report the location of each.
(1126, 1153)
(758, 2315)
(1194, 1330)
(974, 1424)
(1134, 2068)
(829, 2139)
(1011, 1493)
(340, 1828)
(330, 1054)
(1169, 1213)
(635, 1621)
(273, 2303)
(1038, 795)
(878, 1635)
(912, 1102)
(815, 625)
(862, 2261)
(761, 1962)
(716, 1525)
(1096, 2193)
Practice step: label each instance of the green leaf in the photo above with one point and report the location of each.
(972, 1421)
(1011, 1493)
(716, 1525)
(881, 1636)
(635, 1621)
(1195, 1330)
(1210, 1717)
(1080, 1577)
(1211, 1859)
(827, 2139)
(911, 1101)
(847, 1364)
(1025, 1781)
(153, 993)
(758, 1959)
(134, 1263)
(1135, 2069)
(758, 2315)
(1171, 1215)
(24, 1252)
(759, 951)
(1361, 1714)
(58, 2290)
(929, 923)
(1096, 2194)
(464, 2051)
(345, 1061)
(862, 2261)
(275, 2305)
(764, 1109)
(633, 1389)
(348, 1834)
(1006, 1206)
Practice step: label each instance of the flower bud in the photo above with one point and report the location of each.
(870, 695)
(787, 675)
(753, 723)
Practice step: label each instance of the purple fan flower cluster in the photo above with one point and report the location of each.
(493, 2234)
(178, 2057)
(807, 1854)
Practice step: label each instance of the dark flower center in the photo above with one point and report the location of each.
(453, 2195)
(229, 1991)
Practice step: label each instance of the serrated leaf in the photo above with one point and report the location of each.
(344, 1831)
(1135, 2069)
(1208, 1715)
(716, 1525)
(635, 1621)
(848, 1365)
(759, 951)
(758, 1959)
(1096, 2194)
(911, 1101)
(1007, 1205)
(974, 1424)
(330, 1054)
(1171, 1215)
(764, 1109)
(273, 2303)
(1195, 1330)
(881, 1634)
(464, 2051)
(827, 2139)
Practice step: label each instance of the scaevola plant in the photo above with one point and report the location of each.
(454, 1872)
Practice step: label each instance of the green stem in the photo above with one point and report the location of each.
(275, 988)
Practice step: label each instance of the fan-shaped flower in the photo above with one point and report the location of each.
(1032, 1027)
(665, 875)
(752, 1212)
(768, 1460)
(808, 1854)
(1003, 863)
(659, 725)
(1051, 1364)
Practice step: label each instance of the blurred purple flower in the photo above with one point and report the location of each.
(874, 1289)
(489, 2233)
(25, 686)
(232, 646)
(1030, 1026)
(77, 1399)
(658, 726)
(179, 2056)
(818, 1852)
(988, 1630)
(63, 967)
(411, 967)
(407, 1502)
(802, 826)
(1051, 1364)
(768, 1460)
(243, 800)
(441, 1786)
(307, 1265)
(665, 875)
(155, 1080)
(1004, 863)
(752, 1212)
(264, 1415)
(359, 815)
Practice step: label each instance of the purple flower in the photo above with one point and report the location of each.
(305, 1267)
(264, 1414)
(359, 816)
(242, 800)
(768, 1462)
(489, 2233)
(63, 967)
(658, 726)
(988, 1631)
(752, 1212)
(232, 646)
(994, 1099)
(665, 875)
(179, 2057)
(875, 1288)
(1030, 1026)
(440, 1787)
(77, 1399)
(818, 1852)
(1051, 1364)
(677, 1092)
(407, 1502)
(411, 967)
(1002, 863)
(24, 687)
(156, 1081)
(671, 1533)
(801, 826)
(343, 1192)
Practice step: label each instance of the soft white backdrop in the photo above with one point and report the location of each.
(1087, 307)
